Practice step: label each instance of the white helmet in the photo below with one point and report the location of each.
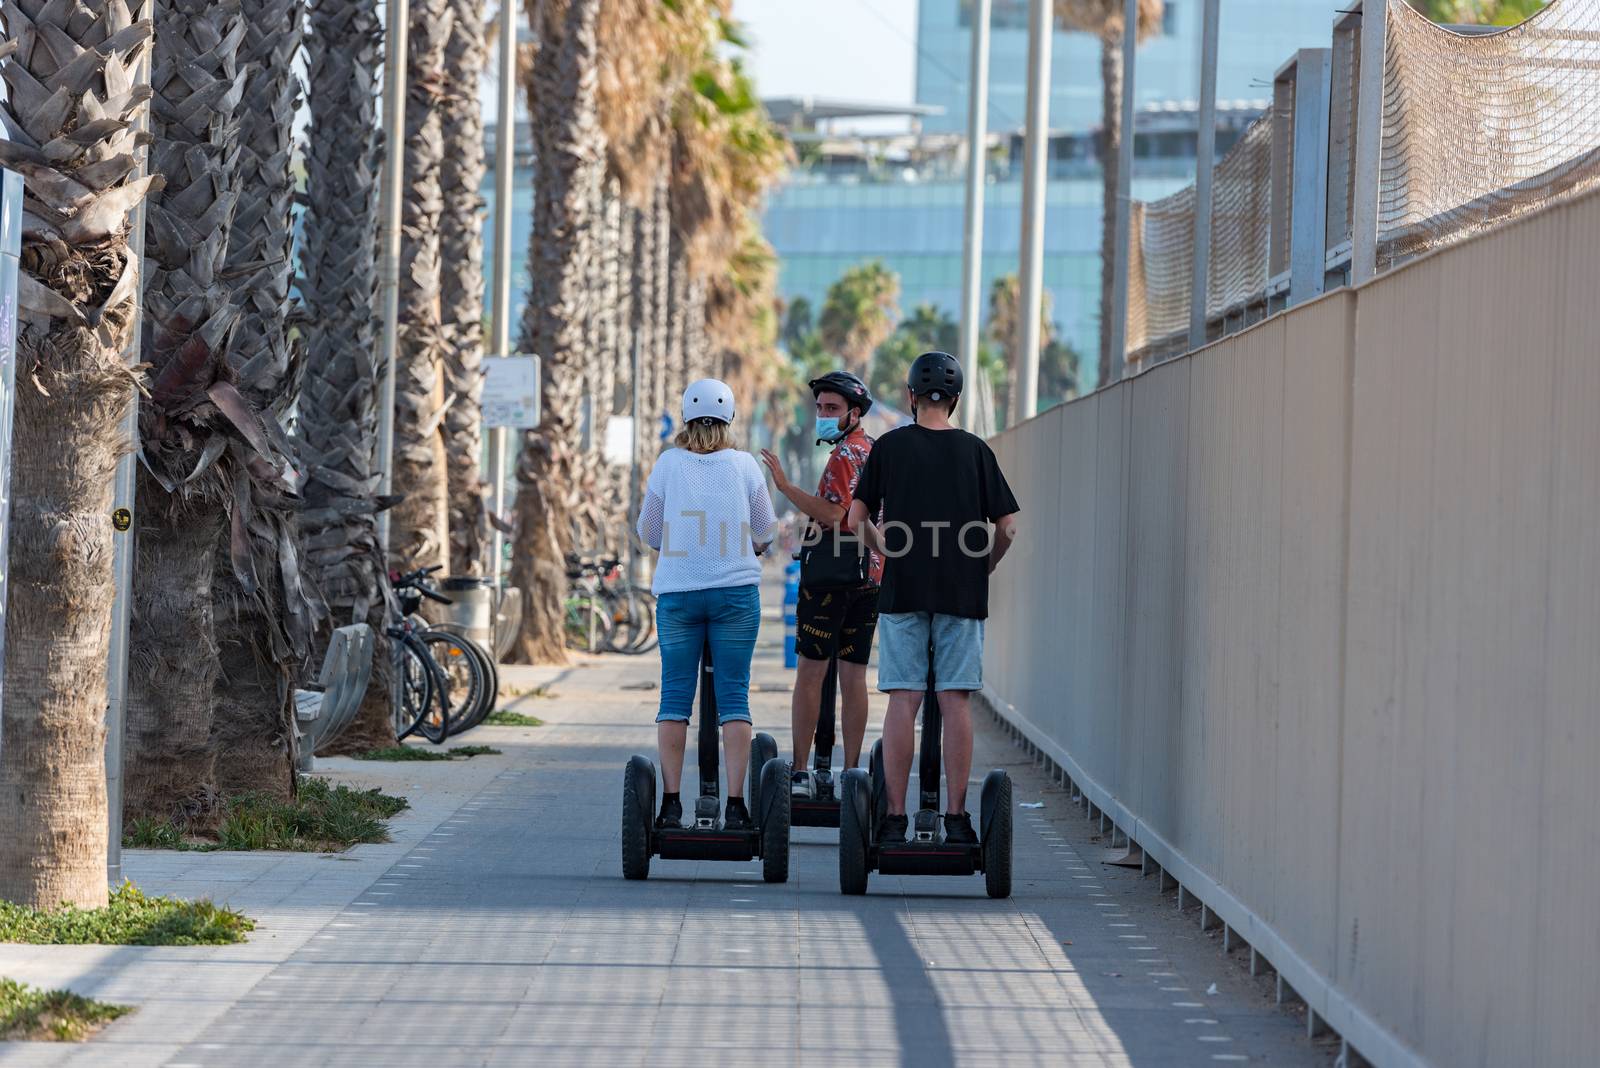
(708, 399)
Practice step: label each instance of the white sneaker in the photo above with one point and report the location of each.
(800, 785)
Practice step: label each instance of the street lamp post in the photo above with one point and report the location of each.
(1025, 387)
(972, 243)
(505, 144)
(394, 160)
(1119, 292)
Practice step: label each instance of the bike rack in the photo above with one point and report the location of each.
(323, 714)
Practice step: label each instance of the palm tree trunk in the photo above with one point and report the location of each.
(77, 301)
(192, 471)
(418, 531)
(569, 145)
(1110, 142)
(339, 401)
(461, 285)
(263, 635)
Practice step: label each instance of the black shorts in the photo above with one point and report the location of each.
(850, 615)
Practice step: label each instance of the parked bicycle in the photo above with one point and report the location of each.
(446, 682)
(603, 611)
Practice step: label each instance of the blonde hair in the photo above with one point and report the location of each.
(704, 436)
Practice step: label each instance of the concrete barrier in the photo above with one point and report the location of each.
(1313, 615)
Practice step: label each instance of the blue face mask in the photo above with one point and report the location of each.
(828, 429)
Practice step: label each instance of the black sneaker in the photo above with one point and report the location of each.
(958, 829)
(671, 814)
(893, 830)
(734, 816)
(800, 785)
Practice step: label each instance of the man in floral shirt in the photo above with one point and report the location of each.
(833, 620)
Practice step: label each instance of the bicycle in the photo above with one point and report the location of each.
(448, 683)
(603, 613)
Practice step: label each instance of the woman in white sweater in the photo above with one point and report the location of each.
(706, 510)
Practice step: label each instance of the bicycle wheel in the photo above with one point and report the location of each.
(645, 637)
(623, 614)
(465, 683)
(413, 696)
(491, 673)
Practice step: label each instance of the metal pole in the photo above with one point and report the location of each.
(1205, 162)
(977, 144)
(1369, 142)
(1119, 292)
(124, 509)
(633, 466)
(394, 161)
(505, 145)
(1025, 386)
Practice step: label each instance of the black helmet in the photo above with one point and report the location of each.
(847, 385)
(936, 373)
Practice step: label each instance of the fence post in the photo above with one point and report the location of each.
(1205, 164)
(1369, 141)
(1308, 224)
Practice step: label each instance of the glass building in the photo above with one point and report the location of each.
(901, 200)
(1256, 37)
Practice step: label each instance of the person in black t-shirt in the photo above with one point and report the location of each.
(948, 517)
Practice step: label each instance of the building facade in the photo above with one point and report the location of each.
(903, 203)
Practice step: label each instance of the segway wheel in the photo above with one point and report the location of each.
(995, 818)
(762, 749)
(774, 812)
(854, 785)
(638, 813)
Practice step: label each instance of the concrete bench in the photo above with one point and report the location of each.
(321, 715)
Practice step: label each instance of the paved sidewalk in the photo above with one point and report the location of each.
(496, 930)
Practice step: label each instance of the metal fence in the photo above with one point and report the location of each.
(1464, 129)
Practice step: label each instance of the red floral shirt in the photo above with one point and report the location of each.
(839, 480)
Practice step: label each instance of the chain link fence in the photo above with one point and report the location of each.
(1478, 128)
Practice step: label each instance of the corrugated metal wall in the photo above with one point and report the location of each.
(1314, 614)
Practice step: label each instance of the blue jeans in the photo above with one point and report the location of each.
(726, 618)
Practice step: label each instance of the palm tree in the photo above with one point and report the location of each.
(1005, 331)
(190, 474)
(1104, 19)
(263, 634)
(569, 146)
(77, 290)
(927, 328)
(859, 311)
(1479, 12)
(418, 532)
(461, 283)
(338, 416)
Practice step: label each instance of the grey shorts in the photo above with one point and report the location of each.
(903, 651)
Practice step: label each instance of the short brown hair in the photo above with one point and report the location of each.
(705, 435)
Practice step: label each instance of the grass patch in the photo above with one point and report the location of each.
(31, 1015)
(130, 919)
(321, 818)
(416, 752)
(512, 719)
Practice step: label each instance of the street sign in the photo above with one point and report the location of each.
(511, 392)
(618, 447)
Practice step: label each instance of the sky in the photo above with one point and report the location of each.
(856, 49)
(861, 50)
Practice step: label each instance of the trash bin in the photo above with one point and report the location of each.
(472, 609)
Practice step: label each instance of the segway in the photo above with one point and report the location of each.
(822, 809)
(864, 801)
(767, 796)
